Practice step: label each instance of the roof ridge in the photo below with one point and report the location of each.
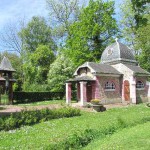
(118, 47)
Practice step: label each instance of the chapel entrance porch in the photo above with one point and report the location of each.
(83, 90)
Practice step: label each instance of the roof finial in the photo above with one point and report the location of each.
(116, 39)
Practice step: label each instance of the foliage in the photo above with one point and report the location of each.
(139, 8)
(128, 23)
(143, 43)
(53, 132)
(92, 32)
(35, 116)
(37, 68)
(60, 70)
(95, 101)
(36, 32)
(62, 13)
(26, 97)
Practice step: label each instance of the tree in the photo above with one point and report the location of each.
(9, 38)
(37, 68)
(35, 33)
(92, 32)
(128, 23)
(140, 8)
(60, 70)
(63, 13)
(143, 43)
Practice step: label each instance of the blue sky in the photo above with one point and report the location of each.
(12, 10)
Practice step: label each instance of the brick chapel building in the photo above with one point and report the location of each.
(116, 79)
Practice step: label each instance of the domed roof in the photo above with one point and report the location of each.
(117, 53)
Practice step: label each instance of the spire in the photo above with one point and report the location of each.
(6, 65)
(116, 39)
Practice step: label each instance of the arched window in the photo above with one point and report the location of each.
(109, 86)
(139, 85)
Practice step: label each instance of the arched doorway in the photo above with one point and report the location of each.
(126, 90)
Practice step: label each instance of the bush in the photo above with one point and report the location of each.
(95, 101)
(26, 97)
(31, 117)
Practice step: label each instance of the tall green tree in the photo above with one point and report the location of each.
(140, 8)
(60, 70)
(39, 49)
(143, 43)
(62, 13)
(92, 32)
(36, 70)
(35, 33)
(128, 23)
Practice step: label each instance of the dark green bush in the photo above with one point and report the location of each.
(25, 97)
(31, 117)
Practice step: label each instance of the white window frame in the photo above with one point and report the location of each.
(110, 86)
(140, 85)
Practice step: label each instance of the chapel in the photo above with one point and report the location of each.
(118, 78)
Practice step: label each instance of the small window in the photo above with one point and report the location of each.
(139, 85)
(109, 51)
(109, 86)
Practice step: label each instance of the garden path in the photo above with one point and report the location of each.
(7, 109)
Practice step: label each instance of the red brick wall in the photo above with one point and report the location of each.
(107, 97)
(141, 95)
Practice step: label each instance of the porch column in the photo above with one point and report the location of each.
(78, 91)
(148, 92)
(83, 93)
(133, 90)
(68, 93)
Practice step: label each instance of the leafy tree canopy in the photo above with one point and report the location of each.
(60, 70)
(35, 33)
(92, 32)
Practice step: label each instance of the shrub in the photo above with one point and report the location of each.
(31, 117)
(25, 97)
(95, 101)
(148, 104)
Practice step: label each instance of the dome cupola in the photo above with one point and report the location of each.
(118, 53)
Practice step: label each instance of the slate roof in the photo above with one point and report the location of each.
(81, 78)
(117, 52)
(137, 70)
(2, 79)
(99, 68)
(6, 65)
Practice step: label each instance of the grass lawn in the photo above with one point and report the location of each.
(134, 138)
(41, 135)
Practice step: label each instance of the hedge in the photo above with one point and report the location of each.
(25, 117)
(25, 97)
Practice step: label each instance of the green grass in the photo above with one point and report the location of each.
(134, 138)
(4, 99)
(48, 102)
(41, 135)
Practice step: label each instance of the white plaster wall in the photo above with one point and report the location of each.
(83, 73)
(127, 73)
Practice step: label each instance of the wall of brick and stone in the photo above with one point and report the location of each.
(142, 94)
(107, 96)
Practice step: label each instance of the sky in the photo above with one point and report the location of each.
(13, 10)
